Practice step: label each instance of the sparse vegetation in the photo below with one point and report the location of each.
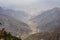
(7, 36)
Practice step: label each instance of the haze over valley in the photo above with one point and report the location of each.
(31, 19)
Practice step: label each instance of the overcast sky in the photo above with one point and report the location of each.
(30, 6)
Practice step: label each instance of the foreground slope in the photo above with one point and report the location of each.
(7, 36)
(54, 35)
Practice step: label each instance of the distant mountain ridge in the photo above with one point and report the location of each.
(48, 20)
(19, 15)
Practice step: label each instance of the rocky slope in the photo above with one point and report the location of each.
(54, 35)
(17, 28)
(47, 20)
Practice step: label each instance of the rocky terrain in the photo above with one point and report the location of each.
(45, 26)
(54, 35)
(17, 28)
(47, 20)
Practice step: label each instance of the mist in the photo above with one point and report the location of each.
(32, 7)
(35, 15)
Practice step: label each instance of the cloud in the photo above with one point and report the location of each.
(17, 2)
(30, 6)
(23, 4)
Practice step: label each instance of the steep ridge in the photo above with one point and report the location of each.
(48, 20)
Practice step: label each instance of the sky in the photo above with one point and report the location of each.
(32, 7)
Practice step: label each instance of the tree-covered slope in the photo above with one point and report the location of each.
(7, 36)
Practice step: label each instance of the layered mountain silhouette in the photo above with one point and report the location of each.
(48, 20)
(19, 15)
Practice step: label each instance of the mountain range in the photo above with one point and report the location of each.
(47, 20)
(16, 23)
(19, 15)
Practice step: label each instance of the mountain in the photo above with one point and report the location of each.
(47, 20)
(19, 15)
(55, 35)
(13, 26)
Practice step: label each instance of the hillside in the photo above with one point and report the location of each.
(13, 26)
(19, 15)
(55, 35)
(6, 35)
(47, 20)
